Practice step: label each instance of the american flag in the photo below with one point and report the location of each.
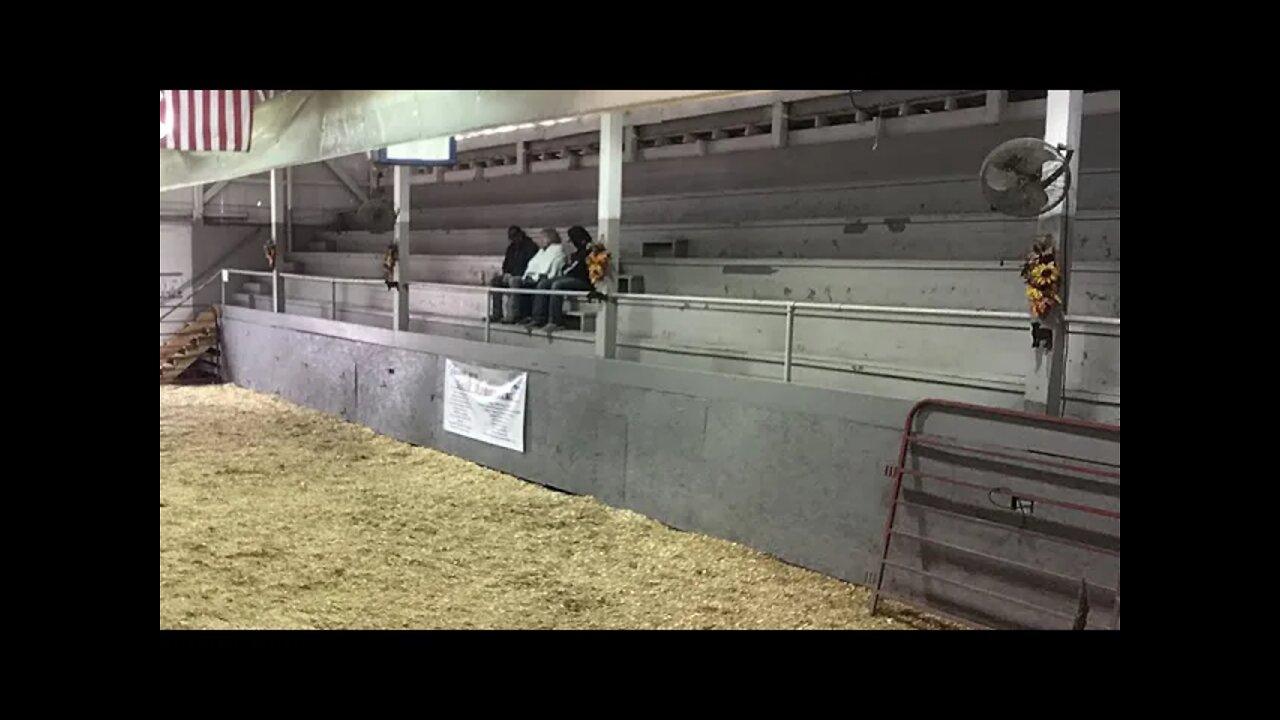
(207, 120)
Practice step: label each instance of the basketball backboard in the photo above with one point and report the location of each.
(433, 151)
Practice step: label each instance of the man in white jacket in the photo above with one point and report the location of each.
(548, 263)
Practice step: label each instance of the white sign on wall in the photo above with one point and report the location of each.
(485, 404)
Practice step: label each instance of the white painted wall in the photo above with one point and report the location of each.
(175, 269)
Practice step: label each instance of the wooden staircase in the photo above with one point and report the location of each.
(191, 354)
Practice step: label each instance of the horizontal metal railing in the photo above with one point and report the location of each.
(789, 309)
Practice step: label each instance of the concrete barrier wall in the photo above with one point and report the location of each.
(793, 471)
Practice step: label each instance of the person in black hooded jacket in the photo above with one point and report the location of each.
(520, 249)
(573, 277)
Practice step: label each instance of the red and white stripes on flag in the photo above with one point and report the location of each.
(206, 120)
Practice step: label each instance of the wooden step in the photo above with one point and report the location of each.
(185, 347)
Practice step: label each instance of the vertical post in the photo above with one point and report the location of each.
(277, 282)
(522, 156)
(778, 121)
(223, 284)
(996, 102)
(630, 144)
(1047, 376)
(400, 316)
(288, 210)
(197, 203)
(333, 299)
(488, 302)
(609, 227)
(790, 335)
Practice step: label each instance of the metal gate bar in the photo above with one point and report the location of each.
(994, 488)
(1002, 526)
(897, 472)
(930, 440)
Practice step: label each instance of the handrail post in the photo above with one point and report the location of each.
(224, 288)
(488, 305)
(333, 298)
(790, 334)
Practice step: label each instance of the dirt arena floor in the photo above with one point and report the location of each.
(275, 516)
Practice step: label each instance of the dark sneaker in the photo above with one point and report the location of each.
(554, 328)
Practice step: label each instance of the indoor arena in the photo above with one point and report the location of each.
(621, 359)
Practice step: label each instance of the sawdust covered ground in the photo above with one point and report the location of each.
(274, 516)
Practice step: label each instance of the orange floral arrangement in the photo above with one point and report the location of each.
(1043, 278)
(389, 260)
(598, 263)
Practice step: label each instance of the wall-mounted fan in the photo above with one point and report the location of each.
(1026, 177)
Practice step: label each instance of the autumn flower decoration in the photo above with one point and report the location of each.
(1043, 278)
(597, 263)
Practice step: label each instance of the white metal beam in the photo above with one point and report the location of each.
(277, 282)
(778, 122)
(197, 203)
(212, 191)
(400, 315)
(609, 226)
(1046, 378)
(997, 101)
(307, 126)
(355, 190)
(288, 209)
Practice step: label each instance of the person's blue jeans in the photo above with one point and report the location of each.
(500, 302)
(543, 303)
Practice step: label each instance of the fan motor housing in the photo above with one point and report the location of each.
(1025, 177)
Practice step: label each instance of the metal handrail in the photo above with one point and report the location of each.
(212, 268)
(328, 279)
(790, 308)
(649, 299)
(192, 296)
(653, 299)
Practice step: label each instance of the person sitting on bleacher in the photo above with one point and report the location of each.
(520, 249)
(548, 263)
(574, 277)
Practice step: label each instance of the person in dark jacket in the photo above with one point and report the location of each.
(573, 277)
(520, 248)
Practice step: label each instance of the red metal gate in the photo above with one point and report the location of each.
(997, 563)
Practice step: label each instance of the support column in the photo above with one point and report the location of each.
(630, 144)
(197, 203)
(609, 226)
(522, 156)
(288, 210)
(277, 282)
(1047, 377)
(997, 101)
(778, 121)
(400, 316)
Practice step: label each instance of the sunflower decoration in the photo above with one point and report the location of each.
(597, 263)
(1041, 274)
(389, 260)
(269, 250)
